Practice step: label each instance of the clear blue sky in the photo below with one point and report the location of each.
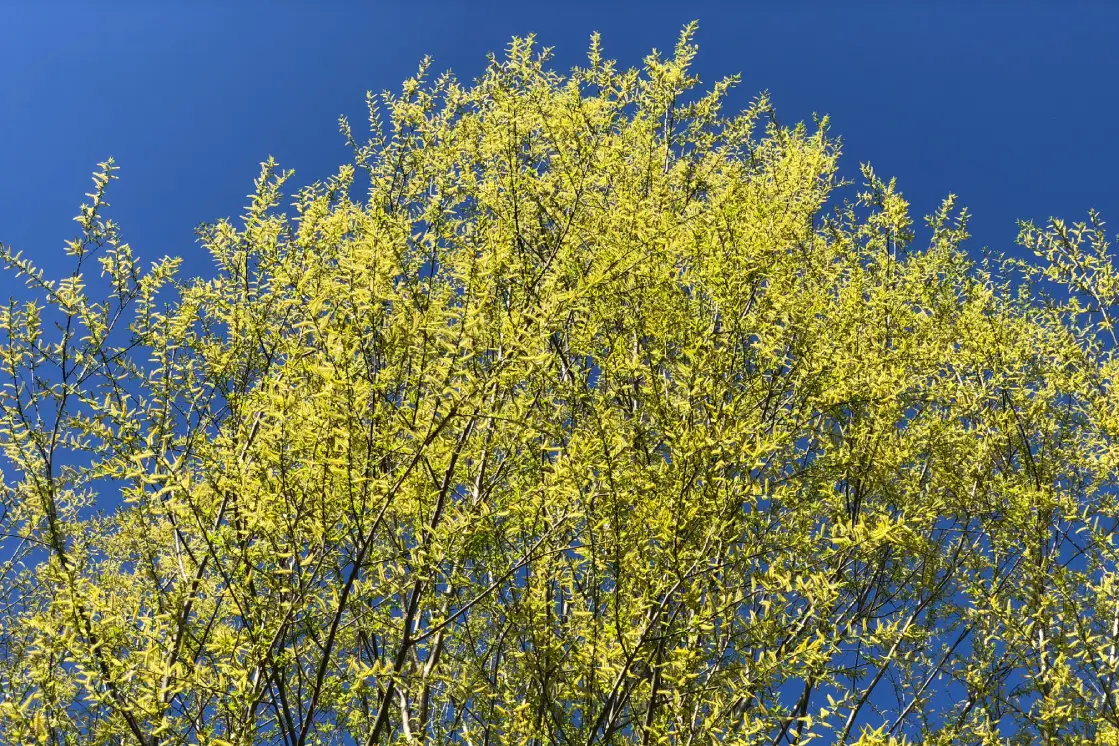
(1010, 105)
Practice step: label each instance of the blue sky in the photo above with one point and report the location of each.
(1009, 105)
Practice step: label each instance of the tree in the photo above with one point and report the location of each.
(601, 419)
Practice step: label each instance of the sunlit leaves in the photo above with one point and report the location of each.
(600, 417)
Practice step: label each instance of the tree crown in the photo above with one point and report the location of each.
(597, 420)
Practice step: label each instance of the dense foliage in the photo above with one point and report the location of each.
(600, 419)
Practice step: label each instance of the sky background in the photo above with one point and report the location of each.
(1009, 105)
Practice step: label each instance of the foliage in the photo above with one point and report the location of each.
(594, 422)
